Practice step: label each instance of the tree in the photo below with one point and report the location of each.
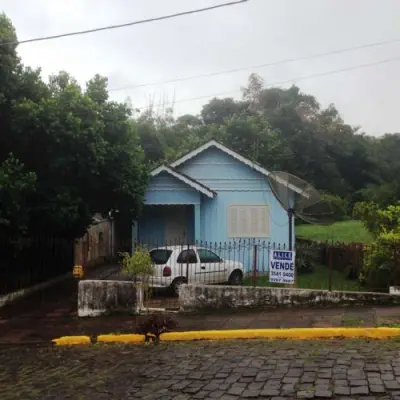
(253, 137)
(16, 186)
(83, 150)
(90, 159)
(217, 111)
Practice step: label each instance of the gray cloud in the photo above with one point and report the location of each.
(256, 32)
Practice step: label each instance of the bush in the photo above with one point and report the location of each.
(338, 205)
(138, 267)
(381, 262)
(308, 256)
(367, 212)
(378, 220)
(154, 326)
(381, 265)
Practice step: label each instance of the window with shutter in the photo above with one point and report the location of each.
(248, 220)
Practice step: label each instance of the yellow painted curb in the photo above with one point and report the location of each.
(131, 338)
(294, 333)
(71, 340)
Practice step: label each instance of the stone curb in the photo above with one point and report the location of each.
(294, 333)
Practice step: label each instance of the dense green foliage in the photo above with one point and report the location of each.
(381, 261)
(15, 187)
(139, 268)
(65, 152)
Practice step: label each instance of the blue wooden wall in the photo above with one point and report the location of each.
(235, 183)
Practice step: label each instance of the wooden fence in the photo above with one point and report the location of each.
(96, 246)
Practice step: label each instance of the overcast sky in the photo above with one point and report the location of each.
(245, 35)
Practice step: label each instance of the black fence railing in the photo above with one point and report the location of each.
(247, 262)
(25, 262)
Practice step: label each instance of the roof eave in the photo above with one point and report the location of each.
(190, 182)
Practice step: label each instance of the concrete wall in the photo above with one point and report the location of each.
(98, 297)
(206, 297)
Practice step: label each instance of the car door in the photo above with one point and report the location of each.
(211, 266)
(187, 263)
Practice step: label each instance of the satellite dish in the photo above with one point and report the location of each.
(300, 199)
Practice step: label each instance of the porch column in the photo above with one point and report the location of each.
(197, 227)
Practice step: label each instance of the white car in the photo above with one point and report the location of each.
(174, 265)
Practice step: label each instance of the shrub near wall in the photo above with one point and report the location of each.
(382, 264)
(381, 267)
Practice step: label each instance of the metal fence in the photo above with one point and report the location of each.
(25, 262)
(324, 266)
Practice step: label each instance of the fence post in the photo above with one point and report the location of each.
(187, 263)
(255, 265)
(330, 268)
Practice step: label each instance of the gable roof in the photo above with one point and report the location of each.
(185, 179)
(257, 167)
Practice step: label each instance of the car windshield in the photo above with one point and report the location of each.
(160, 256)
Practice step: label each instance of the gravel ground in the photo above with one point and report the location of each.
(204, 370)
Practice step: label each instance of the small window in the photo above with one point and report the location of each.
(207, 256)
(160, 256)
(187, 256)
(248, 221)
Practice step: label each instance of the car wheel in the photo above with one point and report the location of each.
(236, 278)
(176, 286)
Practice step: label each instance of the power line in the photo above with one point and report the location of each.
(109, 27)
(318, 75)
(270, 64)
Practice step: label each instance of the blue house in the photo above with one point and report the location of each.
(212, 195)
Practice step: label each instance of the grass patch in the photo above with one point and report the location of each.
(345, 231)
(318, 279)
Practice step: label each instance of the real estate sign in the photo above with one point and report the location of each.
(282, 268)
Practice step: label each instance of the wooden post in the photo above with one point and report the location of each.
(330, 269)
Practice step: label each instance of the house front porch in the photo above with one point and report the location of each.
(172, 209)
(172, 224)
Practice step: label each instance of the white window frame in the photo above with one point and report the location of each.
(266, 233)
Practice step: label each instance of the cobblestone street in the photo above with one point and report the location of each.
(204, 370)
